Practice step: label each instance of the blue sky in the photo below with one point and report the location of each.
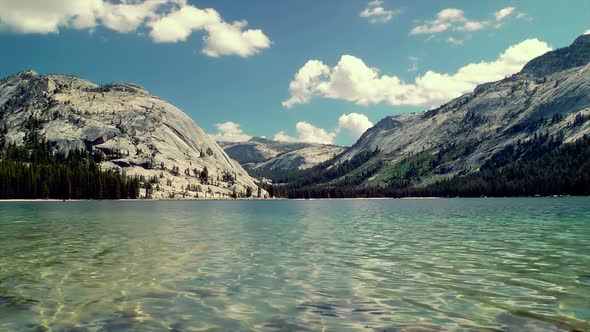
(358, 59)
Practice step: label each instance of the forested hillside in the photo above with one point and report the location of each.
(544, 166)
(34, 171)
(524, 135)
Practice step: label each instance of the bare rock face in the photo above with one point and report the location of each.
(545, 98)
(575, 55)
(134, 131)
(261, 154)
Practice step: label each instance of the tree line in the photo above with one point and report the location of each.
(34, 171)
(541, 166)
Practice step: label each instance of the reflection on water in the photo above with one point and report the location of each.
(464, 264)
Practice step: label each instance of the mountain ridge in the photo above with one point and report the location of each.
(262, 156)
(458, 137)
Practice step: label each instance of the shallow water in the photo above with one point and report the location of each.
(394, 265)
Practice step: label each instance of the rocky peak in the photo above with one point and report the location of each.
(260, 140)
(127, 127)
(126, 87)
(550, 97)
(27, 74)
(387, 123)
(575, 55)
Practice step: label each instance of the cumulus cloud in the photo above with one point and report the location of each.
(307, 133)
(454, 19)
(165, 20)
(227, 39)
(230, 132)
(307, 79)
(354, 123)
(179, 25)
(222, 38)
(352, 80)
(375, 12)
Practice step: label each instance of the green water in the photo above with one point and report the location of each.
(394, 265)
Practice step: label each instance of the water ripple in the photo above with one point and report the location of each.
(465, 265)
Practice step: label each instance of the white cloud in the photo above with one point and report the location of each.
(281, 136)
(451, 15)
(352, 80)
(473, 26)
(454, 41)
(454, 19)
(307, 133)
(230, 132)
(129, 16)
(306, 79)
(222, 38)
(227, 39)
(178, 25)
(503, 13)
(355, 124)
(445, 19)
(43, 16)
(587, 32)
(166, 21)
(376, 13)
(27, 16)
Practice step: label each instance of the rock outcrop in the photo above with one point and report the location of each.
(131, 129)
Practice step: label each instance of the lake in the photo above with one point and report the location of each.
(351, 265)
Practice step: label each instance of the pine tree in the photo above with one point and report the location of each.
(33, 171)
(204, 175)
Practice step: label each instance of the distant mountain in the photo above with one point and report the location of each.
(124, 127)
(263, 156)
(542, 108)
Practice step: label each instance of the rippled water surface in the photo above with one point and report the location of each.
(394, 265)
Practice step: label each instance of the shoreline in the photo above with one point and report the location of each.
(268, 199)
